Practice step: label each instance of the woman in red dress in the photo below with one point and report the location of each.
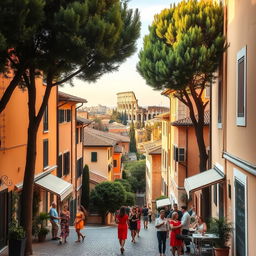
(122, 220)
(175, 225)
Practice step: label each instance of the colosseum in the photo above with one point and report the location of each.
(128, 103)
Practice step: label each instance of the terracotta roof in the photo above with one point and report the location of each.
(96, 177)
(81, 120)
(153, 147)
(68, 97)
(94, 137)
(188, 122)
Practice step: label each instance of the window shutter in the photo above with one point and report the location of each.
(181, 153)
(59, 170)
(68, 113)
(45, 153)
(45, 119)
(77, 134)
(240, 99)
(94, 157)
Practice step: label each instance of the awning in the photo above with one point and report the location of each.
(203, 179)
(163, 202)
(55, 185)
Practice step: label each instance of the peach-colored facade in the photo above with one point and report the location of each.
(233, 146)
(117, 165)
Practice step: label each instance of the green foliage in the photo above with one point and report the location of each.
(130, 199)
(108, 197)
(39, 225)
(124, 175)
(223, 229)
(184, 45)
(136, 175)
(125, 184)
(116, 117)
(133, 147)
(15, 231)
(98, 125)
(161, 197)
(85, 197)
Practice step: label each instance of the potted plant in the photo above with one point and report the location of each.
(17, 239)
(223, 229)
(40, 226)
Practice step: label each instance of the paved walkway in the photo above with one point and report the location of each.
(101, 241)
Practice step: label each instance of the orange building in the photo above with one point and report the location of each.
(13, 142)
(70, 146)
(153, 171)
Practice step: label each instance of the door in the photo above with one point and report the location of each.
(221, 200)
(3, 218)
(240, 219)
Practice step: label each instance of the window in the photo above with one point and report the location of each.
(45, 153)
(93, 156)
(79, 167)
(220, 104)
(81, 134)
(68, 115)
(241, 88)
(66, 163)
(45, 119)
(115, 163)
(59, 170)
(179, 154)
(77, 135)
(61, 115)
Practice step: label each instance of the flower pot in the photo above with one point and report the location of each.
(221, 251)
(17, 247)
(41, 238)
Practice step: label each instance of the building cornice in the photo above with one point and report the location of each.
(251, 168)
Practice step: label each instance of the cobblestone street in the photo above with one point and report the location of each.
(101, 241)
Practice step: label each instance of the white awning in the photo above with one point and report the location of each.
(55, 185)
(202, 180)
(163, 202)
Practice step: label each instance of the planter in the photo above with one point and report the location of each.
(221, 251)
(41, 238)
(17, 247)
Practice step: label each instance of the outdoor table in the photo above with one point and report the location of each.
(198, 238)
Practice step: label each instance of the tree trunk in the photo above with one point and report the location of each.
(28, 181)
(28, 185)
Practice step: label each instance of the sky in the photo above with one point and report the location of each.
(104, 90)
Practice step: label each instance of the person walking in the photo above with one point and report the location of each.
(175, 225)
(79, 223)
(162, 228)
(54, 219)
(185, 221)
(64, 224)
(145, 217)
(138, 212)
(122, 221)
(133, 219)
(175, 209)
(149, 214)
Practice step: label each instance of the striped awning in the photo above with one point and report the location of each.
(203, 179)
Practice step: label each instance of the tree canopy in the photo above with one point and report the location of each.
(108, 197)
(133, 147)
(136, 175)
(184, 46)
(85, 197)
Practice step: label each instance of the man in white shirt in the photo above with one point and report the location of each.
(185, 222)
(162, 228)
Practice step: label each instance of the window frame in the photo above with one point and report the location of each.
(241, 121)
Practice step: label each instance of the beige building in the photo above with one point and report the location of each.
(128, 103)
